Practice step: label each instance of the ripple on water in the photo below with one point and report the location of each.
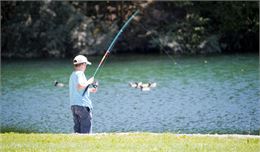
(192, 97)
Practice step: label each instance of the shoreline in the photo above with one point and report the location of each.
(147, 133)
(190, 135)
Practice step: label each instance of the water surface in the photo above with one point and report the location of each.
(199, 94)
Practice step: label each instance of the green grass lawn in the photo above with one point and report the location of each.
(163, 142)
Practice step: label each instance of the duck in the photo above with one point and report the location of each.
(135, 84)
(143, 86)
(58, 84)
(153, 85)
(150, 85)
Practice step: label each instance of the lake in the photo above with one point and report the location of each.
(194, 94)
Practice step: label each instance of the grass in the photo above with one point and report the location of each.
(6, 129)
(164, 142)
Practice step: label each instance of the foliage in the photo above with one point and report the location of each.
(62, 29)
(37, 29)
(186, 35)
(236, 22)
(234, 26)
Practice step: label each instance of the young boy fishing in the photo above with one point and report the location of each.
(81, 105)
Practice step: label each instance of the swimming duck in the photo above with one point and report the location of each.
(58, 84)
(148, 85)
(153, 85)
(143, 86)
(135, 84)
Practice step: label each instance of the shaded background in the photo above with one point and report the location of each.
(64, 29)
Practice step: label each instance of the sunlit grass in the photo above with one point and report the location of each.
(126, 142)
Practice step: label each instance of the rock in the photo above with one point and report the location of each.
(175, 46)
(210, 45)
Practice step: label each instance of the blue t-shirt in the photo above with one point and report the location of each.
(76, 98)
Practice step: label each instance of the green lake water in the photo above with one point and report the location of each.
(196, 94)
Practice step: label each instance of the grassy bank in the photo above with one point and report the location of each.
(127, 142)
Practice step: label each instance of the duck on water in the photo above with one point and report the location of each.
(58, 84)
(143, 86)
(138, 85)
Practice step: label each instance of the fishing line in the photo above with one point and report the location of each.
(161, 47)
(158, 43)
(170, 57)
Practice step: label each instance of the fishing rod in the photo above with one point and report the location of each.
(111, 46)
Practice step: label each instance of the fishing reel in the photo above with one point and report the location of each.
(95, 84)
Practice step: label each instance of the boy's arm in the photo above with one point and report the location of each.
(83, 85)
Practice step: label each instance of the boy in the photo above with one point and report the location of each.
(81, 105)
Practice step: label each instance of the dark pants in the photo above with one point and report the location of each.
(82, 119)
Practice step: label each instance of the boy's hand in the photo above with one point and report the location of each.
(91, 80)
(93, 90)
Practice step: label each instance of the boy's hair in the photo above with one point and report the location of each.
(77, 65)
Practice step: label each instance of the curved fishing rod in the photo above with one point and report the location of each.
(111, 46)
